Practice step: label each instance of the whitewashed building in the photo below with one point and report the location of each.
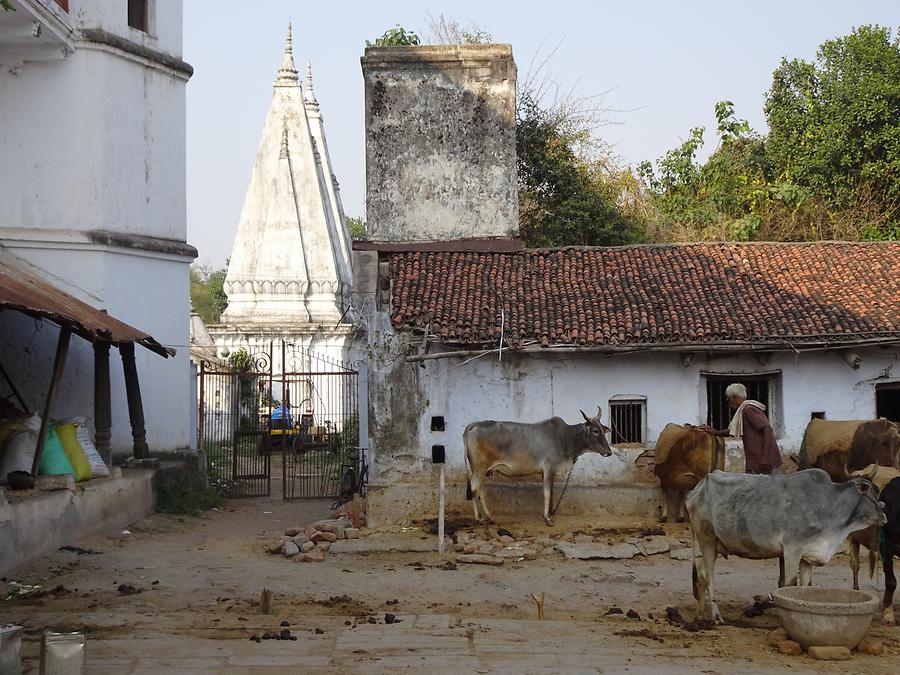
(289, 275)
(92, 159)
(464, 325)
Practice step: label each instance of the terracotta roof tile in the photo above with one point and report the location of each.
(677, 294)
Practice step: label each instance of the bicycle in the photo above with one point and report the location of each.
(354, 477)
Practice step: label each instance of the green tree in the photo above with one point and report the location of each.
(356, 227)
(565, 197)
(395, 37)
(207, 292)
(835, 125)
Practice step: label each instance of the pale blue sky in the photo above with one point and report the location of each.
(665, 62)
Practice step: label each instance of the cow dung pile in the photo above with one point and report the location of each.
(311, 543)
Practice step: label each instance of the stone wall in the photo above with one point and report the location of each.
(440, 142)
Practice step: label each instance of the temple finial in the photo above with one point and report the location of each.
(287, 73)
(310, 95)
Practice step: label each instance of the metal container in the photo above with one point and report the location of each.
(10, 650)
(62, 653)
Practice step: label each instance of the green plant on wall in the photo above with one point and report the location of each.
(395, 37)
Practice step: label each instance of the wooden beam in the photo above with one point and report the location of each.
(59, 364)
(102, 401)
(135, 405)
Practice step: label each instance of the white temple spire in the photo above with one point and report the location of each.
(287, 74)
(309, 95)
(290, 262)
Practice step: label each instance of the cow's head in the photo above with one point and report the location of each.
(593, 435)
(869, 510)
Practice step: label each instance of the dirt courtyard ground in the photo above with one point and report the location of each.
(180, 595)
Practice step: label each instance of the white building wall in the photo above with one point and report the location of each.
(523, 388)
(95, 143)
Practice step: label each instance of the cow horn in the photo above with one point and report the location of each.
(586, 418)
(599, 412)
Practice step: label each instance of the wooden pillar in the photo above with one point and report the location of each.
(102, 402)
(59, 364)
(135, 405)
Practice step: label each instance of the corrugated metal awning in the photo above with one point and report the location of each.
(22, 289)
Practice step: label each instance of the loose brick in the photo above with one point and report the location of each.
(870, 646)
(789, 648)
(830, 653)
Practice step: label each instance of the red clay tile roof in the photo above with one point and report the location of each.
(715, 294)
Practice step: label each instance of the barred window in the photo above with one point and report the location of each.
(627, 415)
(759, 388)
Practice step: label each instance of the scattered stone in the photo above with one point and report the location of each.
(292, 532)
(870, 646)
(511, 553)
(315, 555)
(653, 532)
(389, 618)
(597, 551)
(652, 546)
(275, 547)
(351, 533)
(461, 538)
(372, 619)
(486, 549)
(458, 548)
(569, 537)
(319, 631)
(469, 548)
(323, 545)
(682, 554)
(788, 648)
(583, 539)
(631, 614)
(497, 544)
(285, 634)
(128, 589)
(307, 547)
(613, 610)
(544, 541)
(328, 536)
(503, 532)
(395, 601)
(256, 638)
(290, 549)
(285, 624)
(300, 539)
(479, 559)
(530, 554)
(830, 653)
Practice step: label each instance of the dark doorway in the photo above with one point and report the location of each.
(887, 401)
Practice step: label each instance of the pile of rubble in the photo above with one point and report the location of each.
(311, 543)
(493, 546)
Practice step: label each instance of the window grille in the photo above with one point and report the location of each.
(718, 413)
(627, 420)
(137, 14)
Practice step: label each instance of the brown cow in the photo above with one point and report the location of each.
(684, 456)
(840, 447)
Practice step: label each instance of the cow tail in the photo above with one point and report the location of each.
(873, 558)
(468, 465)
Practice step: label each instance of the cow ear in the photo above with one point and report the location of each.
(586, 418)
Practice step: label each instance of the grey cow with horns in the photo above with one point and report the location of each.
(516, 449)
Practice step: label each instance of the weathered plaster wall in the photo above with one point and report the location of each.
(404, 397)
(440, 142)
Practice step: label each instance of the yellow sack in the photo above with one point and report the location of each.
(74, 451)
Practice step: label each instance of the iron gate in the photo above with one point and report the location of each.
(287, 406)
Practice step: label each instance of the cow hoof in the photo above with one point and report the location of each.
(888, 618)
(664, 519)
(548, 522)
